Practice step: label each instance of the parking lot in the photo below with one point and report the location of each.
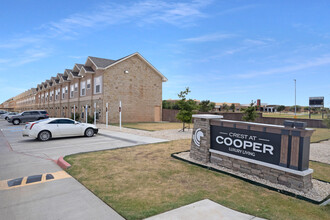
(63, 196)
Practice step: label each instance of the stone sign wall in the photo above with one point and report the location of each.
(276, 153)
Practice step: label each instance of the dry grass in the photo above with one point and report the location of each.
(142, 181)
(291, 115)
(155, 126)
(320, 134)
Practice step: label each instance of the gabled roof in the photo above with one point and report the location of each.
(164, 79)
(88, 69)
(79, 65)
(100, 62)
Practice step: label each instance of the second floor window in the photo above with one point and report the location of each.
(83, 88)
(88, 84)
(76, 87)
(97, 85)
(63, 93)
(71, 91)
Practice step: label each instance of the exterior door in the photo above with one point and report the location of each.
(68, 127)
(157, 111)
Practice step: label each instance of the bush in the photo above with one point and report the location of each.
(327, 122)
(77, 116)
(90, 119)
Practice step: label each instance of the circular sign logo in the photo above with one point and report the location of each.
(197, 136)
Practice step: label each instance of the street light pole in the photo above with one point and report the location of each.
(295, 99)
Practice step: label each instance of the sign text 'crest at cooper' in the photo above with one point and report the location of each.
(255, 145)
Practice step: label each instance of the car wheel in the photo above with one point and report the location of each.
(16, 122)
(89, 132)
(44, 136)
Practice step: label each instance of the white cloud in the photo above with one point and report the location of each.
(208, 38)
(141, 13)
(325, 60)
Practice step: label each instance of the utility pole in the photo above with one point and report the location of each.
(295, 99)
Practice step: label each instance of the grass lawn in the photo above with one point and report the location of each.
(291, 115)
(320, 134)
(321, 170)
(143, 181)
(155, 126)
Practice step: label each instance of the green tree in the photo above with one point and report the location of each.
(166, 104)
(186, 108)
(250, 113)
(206, 106)
(225, 107)
(298, 108)
(280, 108)
(232, 107)
(327, 122)
(306, 108)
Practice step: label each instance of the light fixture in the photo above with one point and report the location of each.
(126, 71)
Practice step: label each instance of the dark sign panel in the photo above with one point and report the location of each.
(261, 146)
(316, 101)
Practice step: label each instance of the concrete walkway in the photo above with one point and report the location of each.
(321, 152)
(204, 209)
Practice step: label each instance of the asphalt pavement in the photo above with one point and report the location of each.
(23, 159)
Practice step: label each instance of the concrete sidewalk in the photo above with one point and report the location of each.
(204, 209)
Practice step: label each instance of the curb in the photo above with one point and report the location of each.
(62, 163)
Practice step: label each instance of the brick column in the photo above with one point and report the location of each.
(200, 142)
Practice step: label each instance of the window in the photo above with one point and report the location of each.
(97, 85)
(54, 122)
(63, 93)
(66, 89)
(65, 121)
(88, 84)
(76, 87)
(83, 88)
(71, 91)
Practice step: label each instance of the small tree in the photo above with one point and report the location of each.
(225, 107)
(232, 107)
(250, 113)
(186, 108)
(206, 106)
(166, 104)
(327, 122)
(280, 108)
(77, 116)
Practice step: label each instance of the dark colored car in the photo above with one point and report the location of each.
(28, 116)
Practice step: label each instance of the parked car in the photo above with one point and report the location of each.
(27, 116)
(58, 127)
(2, 112)
(5, 116)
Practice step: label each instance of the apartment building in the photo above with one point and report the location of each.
(100, 82)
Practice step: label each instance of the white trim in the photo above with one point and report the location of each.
(296, 172)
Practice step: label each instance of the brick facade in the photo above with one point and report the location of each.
(131, 80)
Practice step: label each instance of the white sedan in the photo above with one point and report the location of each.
(58, 127)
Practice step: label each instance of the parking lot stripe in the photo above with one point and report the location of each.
(57, 176)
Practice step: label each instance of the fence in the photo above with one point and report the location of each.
(170, 115)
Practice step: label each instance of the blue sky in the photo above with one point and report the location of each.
(225, 51)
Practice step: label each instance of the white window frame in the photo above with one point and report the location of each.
(98, 82)
(88, 84)
(63, 92)
(83, 88)
(66, 89)
(71, 91)
(76, 87)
